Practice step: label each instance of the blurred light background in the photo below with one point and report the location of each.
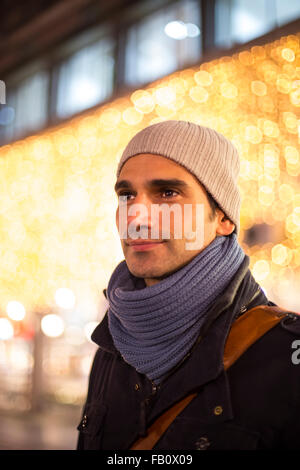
(78, 79)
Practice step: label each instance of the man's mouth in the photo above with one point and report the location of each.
(143, 245)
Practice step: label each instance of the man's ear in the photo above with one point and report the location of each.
(224, 225)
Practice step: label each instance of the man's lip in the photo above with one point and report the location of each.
(143, 242)
(144, 246)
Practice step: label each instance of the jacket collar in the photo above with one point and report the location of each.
(102, 337)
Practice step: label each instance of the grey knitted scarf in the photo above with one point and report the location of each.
(154, 327)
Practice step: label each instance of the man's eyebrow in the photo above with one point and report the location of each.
(122, 184)
(174, 182)
(168, 182)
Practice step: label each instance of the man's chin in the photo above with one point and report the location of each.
(142, 272)
(155, 274)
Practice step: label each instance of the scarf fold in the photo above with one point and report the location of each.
(155, 327)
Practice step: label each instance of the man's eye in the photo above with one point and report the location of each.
(123, 197)
(169, 191)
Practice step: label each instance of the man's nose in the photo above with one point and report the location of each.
(139, 215)
(140, 211)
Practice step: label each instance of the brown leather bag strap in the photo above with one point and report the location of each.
(247, 329)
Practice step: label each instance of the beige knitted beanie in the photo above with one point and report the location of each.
(204, 152)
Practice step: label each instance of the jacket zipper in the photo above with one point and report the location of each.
(154, 388)
(245, 307)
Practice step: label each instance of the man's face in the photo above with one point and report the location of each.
(142, 180)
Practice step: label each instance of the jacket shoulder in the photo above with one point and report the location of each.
(290, 320)
(291, 323)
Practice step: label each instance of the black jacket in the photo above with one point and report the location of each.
(255, 404)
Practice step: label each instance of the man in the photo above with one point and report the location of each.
(172, 304)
